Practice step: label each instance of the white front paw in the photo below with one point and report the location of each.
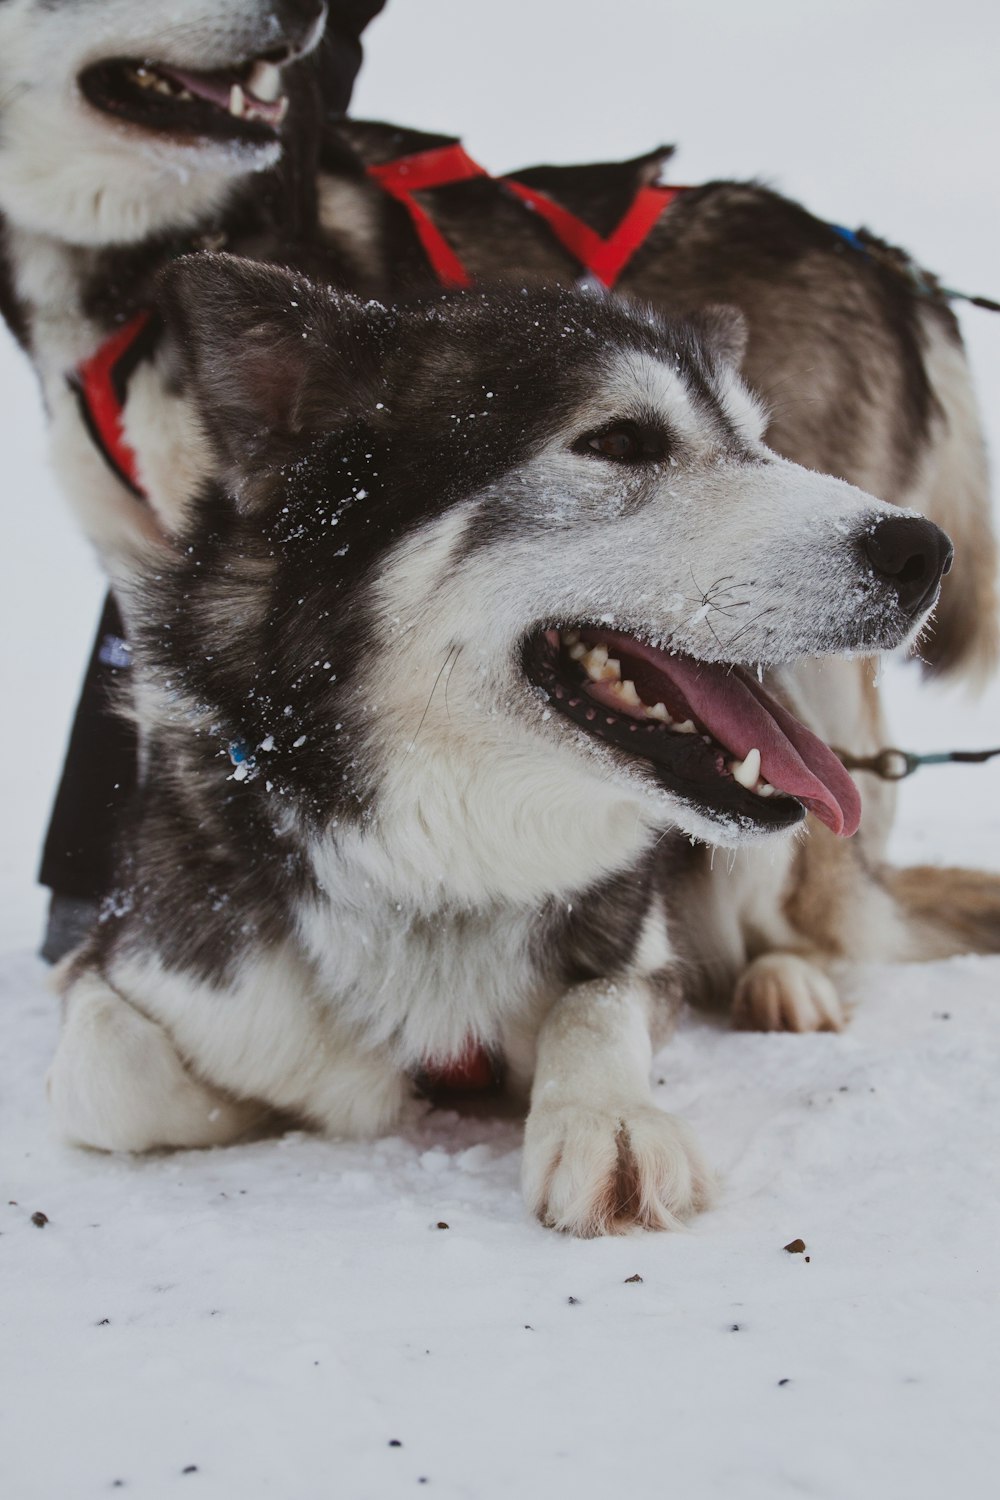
(592, 1172)
(782, 992)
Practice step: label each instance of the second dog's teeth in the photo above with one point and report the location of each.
(594, 662)
(686, 728)
(578, 651)
(658, 711)
(628, 694)
(264, 82)
(747, 772)
(237, 102)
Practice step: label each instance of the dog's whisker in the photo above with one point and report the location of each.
(430, 699)
(447, 681)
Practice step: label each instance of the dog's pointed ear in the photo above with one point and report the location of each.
(724, 330)
(272, 358)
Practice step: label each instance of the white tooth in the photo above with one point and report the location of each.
(237, 102)
(629, 694)
(595, 661)
(162, 86)
(686, 728)
(612, 670)
(747, 772)
(185, 94)
(764, 789)
(282, 108)
(658, 711)
(578, 652)
(264, 82)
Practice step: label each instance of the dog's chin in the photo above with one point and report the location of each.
(735, 764)
(241, 107)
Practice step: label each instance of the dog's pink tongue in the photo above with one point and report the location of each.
(736, 711)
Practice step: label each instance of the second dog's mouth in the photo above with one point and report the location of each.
(244, 103)
(709, 730)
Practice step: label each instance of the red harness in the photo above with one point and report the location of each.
(101, 385)
(604, 259)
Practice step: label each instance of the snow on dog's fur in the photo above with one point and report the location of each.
(107, 172)
(397, 799)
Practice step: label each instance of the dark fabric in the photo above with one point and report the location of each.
(98, 776)
(339, 56)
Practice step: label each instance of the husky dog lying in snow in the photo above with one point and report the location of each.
(422, 687)
(126, 139)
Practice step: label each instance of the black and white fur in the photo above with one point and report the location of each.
(423, 852)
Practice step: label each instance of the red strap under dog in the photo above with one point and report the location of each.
(604, 259)
(469, 1072)
(100, 385)
(439, 167)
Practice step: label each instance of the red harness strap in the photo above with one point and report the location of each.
(604, 259)
(470, 1072)
(100, 383)
(439, 167)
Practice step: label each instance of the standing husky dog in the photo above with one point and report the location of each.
(125, 141)
(436, 610)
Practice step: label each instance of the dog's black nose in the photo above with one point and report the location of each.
(913, 555)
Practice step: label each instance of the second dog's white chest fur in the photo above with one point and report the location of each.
(161, 427)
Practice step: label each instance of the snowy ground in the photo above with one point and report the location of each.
(266, 1321)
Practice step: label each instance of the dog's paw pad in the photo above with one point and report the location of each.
(591, 1173)
(782, 992)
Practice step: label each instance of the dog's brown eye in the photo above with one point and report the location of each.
(623, 443)
(618, 444)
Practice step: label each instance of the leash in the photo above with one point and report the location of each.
(602, 258)
(922, 282)
(896, 765)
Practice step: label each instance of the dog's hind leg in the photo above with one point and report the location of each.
(599, 1157)
(118, 1083)
(944, 912)
(952, 488)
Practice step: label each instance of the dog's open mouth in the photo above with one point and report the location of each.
(709, 730)
(243, 103)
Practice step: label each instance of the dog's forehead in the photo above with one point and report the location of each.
(568, 346)
(661, 384)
